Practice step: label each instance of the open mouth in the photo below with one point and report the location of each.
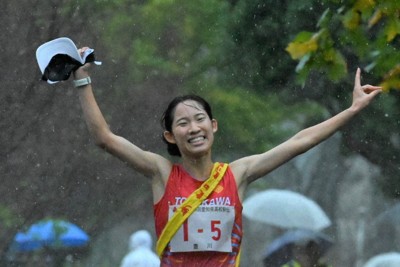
(196, 139)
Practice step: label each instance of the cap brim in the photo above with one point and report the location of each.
(62, 45)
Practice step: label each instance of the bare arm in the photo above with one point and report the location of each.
(253, 167)
(147, 163)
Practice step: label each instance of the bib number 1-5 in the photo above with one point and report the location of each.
(209, 228)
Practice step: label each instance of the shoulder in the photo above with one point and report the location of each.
(161, 178)
(240, 169)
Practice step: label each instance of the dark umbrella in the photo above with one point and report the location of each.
(279, 251)
(50, 233)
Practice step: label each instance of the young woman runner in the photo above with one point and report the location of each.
(212, 235)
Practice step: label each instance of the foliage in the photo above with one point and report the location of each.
(365, 29)
(165, 38)
(255, 53)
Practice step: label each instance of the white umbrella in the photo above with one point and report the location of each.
(286, 209)
(390, 259)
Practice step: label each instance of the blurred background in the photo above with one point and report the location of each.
(268, 69)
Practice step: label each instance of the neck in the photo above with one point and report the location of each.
(199, 169)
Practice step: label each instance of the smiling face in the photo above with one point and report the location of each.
(192, 129)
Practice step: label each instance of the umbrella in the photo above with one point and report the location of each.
(286, 209)
(50, 233)
(390, 259)
(279, 251)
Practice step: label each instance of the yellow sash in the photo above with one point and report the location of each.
(190, 205)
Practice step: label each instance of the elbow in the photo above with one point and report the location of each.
(100, 143)
(102, 139)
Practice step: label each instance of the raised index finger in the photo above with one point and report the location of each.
(357, 82)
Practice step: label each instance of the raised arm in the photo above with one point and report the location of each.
(147, 163)
(250, 168)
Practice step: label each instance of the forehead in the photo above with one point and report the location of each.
(187, 108)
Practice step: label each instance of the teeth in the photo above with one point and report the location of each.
(196, 139)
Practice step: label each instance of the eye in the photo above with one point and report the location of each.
(181, 123)
(202, 118)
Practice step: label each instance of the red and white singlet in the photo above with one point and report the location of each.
(211, 236)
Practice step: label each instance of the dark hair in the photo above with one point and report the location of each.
(168, 118)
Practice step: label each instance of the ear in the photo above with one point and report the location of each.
(169, 137)
(214, 125)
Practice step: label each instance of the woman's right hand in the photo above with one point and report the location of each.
(83, 71)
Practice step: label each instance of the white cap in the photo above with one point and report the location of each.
(62, 45)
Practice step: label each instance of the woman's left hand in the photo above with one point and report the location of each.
(363, 94)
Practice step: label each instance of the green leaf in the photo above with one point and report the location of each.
(351, 19)
(337, 68)
(392, 29)
(303, 44)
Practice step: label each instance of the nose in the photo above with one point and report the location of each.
(194, 128)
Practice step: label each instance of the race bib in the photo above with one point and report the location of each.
(209, 228)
